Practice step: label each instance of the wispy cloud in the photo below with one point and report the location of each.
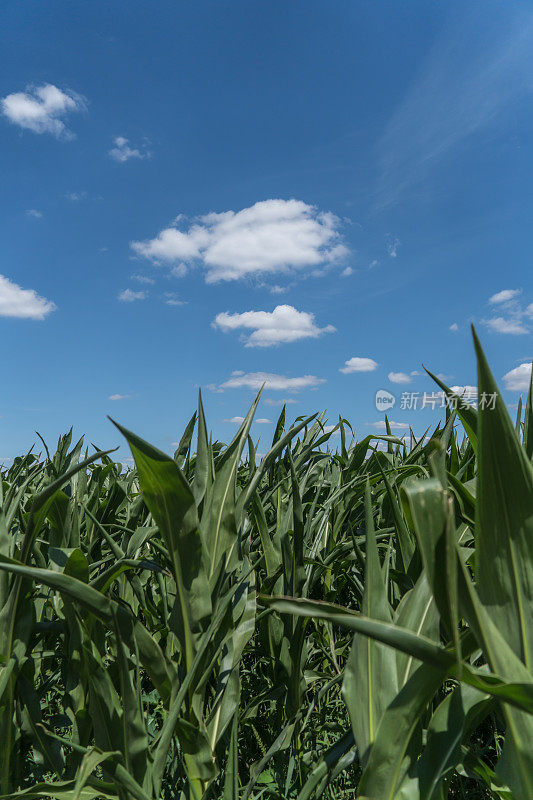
(283, 324)
(393, 244)
(381, 425)
(255, 380)
(119, 396)
(516, 319)
(122, 151)
(22, 303)
(502, 325)
(173, 299)
(258, 421)
(41, 109)
(76, 197)
(129, 296)
(504, 296)
(281, 401)
(477, 68)
(33, 212)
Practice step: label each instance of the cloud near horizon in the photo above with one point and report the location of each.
(518, 379)
(240, 420)
(272, 236)
(272, 381)
(394, 426)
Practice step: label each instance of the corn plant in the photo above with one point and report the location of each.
(337, 623)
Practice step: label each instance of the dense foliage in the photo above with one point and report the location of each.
(321, 622)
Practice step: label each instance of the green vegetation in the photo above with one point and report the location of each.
(320, 623)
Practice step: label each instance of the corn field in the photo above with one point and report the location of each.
(338, 621)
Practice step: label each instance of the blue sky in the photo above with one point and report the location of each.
(322, 195)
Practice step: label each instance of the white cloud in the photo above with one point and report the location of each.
(129, 296)
(172, 299)
(119, 396)
(284, 324)
(123, 152)
(40, 109)
(359, 364)
(271, 401)
(22, 303)
(515, 321)
(347, 272)
(270, 236)
(467, 389)
(33, 212)
(254, 380)
(517, 380)
(75, 197)
(239, 420)
(399, 377)
(392, 247)
(373, 264)
(501, 325)
(504, 296)
(467, 393)
(381, 425)
(142, 278)
(179, 271)
(454, 327)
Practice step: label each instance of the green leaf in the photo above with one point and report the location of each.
(171, 502)
(432, 517)
(466, 412)
(417, 612)
(370, 676)
(150, 653)
(389, 759)
(504, 520)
